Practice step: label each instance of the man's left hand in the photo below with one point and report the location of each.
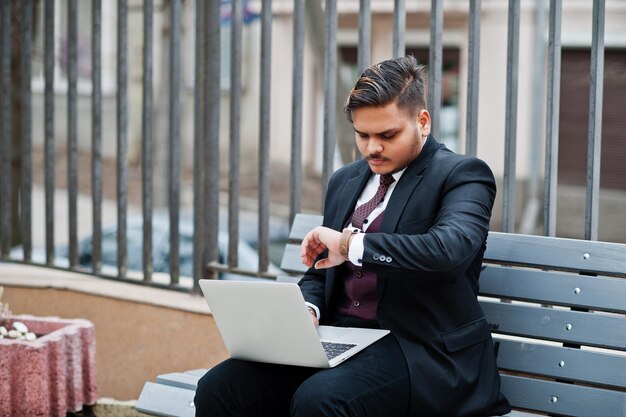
(317, 241)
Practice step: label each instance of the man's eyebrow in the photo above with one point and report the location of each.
(376, 134)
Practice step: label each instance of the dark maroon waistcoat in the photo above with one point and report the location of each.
(358, 296)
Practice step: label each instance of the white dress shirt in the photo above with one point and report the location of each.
(355, 252)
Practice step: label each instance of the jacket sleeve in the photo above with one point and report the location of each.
(452, 237)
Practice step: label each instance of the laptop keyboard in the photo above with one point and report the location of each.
(335, 349)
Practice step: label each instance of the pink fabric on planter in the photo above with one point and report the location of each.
(52, 375)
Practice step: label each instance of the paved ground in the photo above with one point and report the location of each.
(107, 407)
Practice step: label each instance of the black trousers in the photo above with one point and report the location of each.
(375, 382)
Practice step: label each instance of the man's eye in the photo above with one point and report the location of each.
(362, 135)
(387, 137)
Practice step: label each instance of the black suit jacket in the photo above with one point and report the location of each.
(427, 257)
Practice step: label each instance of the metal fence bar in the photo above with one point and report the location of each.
(147, 138)
(211, 130)
(473, 78)
(49, 140)
(510, 134)
(365, 35)
(72, 135)
(26, 133)
(5, 128)
(435, 62)
(236, 24)
(295, 185)
(595, 121)
(552, 119)
(530, 211)
(365, 45)
(264, 139)
(198, 128)
(96, 136)
(122, 134)
(174, 141)
(330, 92)
(399, 27)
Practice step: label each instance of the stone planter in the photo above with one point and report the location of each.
(52, 375)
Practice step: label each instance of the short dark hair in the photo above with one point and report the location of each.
(400, 80)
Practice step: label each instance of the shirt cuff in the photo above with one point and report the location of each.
(355, 253)
(314, 307)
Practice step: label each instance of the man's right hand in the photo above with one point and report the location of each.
(316, 322)
(317, 241)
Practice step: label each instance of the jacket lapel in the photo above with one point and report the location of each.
(408, 182)
(349, 194)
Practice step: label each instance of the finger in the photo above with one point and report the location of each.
(322, 264)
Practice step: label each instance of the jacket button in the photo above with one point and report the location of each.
(389, 259)
(356, 303)
(358, 274)
(376, 256)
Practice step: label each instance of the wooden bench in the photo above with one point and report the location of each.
(557, 310)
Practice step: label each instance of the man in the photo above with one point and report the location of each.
(400, 248)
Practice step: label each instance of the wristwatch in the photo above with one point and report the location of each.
(344, 241)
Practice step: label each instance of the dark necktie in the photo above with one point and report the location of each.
(364, 210)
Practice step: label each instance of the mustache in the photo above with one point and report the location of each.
(375, 156)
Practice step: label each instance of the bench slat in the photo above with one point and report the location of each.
(302, 224)
(591, 329)
(166, 401)
(291, 260)
(199, 372)
(562, 363)
(571, 400)
(557, 253)
(572, 290)
(179, 379)
(288, 278)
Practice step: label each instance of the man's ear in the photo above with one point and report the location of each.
(423, 119)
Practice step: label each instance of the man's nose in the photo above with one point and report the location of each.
(374, 146)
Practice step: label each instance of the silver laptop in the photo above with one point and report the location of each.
(269, 322)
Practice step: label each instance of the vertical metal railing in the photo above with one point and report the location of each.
(207, 99)
(435, 62)
(365, 35)
(174, 141)
(96, 137)
(198, 130)
(473, 77)
(330, 92)
(122, 135)
(5, 128)
(365, 45)
(49, 126)
(595, 121)
(236, 27)
(510, 134)
(295, 185)
(552, 119)
(399, 27)
(147, 138)
(72, 133)
(264, 137)
(211, 130)
(26, 134)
